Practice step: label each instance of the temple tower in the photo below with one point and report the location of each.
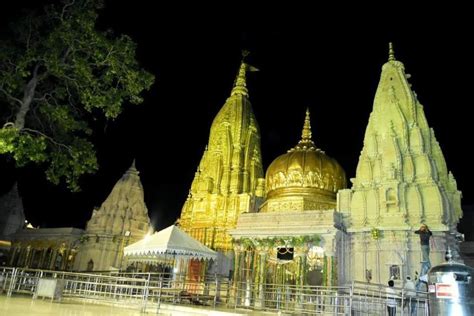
(122, 219)
(229, 178)
(401, 182)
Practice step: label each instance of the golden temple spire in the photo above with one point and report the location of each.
(306, 134)
(391, 53)
(240, 84)
(306, 143)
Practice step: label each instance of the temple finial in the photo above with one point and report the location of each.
(240, 84)
(391, 53)
(306, 134)
(133, 168)
(306, 143)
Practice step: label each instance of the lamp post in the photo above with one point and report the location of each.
(127, 235)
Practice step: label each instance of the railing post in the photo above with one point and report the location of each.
(351, 292)
(12, 282)
(145, 293)
(216, 291)
(236, 294)
(403, 296)
(160, 285)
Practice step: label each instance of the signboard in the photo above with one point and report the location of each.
(49, 288)
(446, 290)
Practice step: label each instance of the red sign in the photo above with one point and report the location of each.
(446, 290)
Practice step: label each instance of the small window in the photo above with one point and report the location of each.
(285, 253)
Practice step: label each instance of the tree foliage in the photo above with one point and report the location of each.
(57, 73)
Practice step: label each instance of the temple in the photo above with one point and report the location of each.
(300, 224)
(229, 179)
(292, 238)
(401, 182)
(308, 228)
(122, 219)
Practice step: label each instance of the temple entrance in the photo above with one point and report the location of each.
(195, 274)
(314, 278)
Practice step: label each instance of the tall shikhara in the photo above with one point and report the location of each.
(230, 175)
(401, 181)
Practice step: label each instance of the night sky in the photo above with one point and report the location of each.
(330, 65)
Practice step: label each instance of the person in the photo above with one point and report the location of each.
(410, 295)
(391, 299)
(425, 235)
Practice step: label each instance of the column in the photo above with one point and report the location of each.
(52, 262)
(249, 266)
(27, 257)
(328, 260)
(300, 253)
(14, 255)
(328, 266)
(237, 272)
(41, 260)
(260, 279)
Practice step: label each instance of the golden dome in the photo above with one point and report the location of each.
(305, 170)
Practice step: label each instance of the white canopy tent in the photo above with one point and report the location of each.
(168, 243)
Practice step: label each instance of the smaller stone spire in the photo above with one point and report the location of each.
(391, 53)
(132, 169)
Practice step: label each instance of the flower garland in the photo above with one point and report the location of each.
(295, 241)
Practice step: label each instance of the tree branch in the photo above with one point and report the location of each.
(28, 95)
(8, 95)
(66, 5)
(49, 138)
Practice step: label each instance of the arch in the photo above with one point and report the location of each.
(90, 265)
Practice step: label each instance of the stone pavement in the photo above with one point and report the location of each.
(25, 305)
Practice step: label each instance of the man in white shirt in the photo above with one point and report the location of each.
(410, 295)
(391, 299)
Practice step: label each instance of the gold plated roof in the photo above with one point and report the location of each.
(305, 170)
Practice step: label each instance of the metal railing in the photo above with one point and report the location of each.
(155, 291)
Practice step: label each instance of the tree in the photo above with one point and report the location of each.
(58, 73)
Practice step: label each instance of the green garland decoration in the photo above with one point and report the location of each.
(325, 271)
(295, 241)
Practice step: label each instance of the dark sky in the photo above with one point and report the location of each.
(327, 62)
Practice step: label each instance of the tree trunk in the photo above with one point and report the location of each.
(27, 100)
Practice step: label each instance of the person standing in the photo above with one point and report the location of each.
(410, 295)
(391, 299)
(425, 235)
